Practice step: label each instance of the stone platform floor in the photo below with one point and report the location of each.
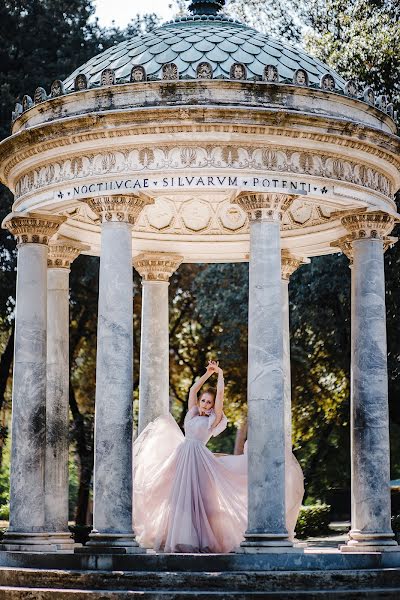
(319, 571)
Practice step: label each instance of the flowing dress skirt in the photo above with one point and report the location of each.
(185, 498)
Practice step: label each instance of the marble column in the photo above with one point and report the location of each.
(112, 514)
(290, 264)
(27, 530)
(266, 531)
(155, 269)
(62, 252)
(370, 451)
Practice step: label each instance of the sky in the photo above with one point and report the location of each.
(122, 11)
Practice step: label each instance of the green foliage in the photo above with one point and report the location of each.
(4, 512)
(313, 521)
(396, 523)
(358, 38)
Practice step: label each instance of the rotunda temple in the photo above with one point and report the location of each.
(202, 141)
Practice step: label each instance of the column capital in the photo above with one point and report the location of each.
(268, 206)
(123, 209)
(63, 252)
(157, 266)
(374, 225)
(290, 263)
(345, 243)
(32, 227)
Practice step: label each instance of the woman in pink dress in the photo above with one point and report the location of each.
(185, 498)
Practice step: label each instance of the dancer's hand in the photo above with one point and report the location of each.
(212, 367)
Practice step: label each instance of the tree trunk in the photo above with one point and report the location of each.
(241, 435)
(5, 368)
(84, 446)
(5, 365)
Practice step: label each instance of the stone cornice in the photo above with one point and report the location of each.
(157, 266)
(159, 94)
(264, 207)
(35, 228)
(63, 251)
(290, 263)
(72, 132)
(123, 209)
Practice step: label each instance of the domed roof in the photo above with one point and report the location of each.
(213, 38)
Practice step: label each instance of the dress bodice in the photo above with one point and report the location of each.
(201, 428)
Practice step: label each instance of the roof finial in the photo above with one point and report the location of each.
(206, 7)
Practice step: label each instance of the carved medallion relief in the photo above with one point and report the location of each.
(205, 215)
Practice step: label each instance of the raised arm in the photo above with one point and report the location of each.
(211, 368)
(219, 399)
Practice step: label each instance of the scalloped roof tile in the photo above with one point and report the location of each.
(188, 41)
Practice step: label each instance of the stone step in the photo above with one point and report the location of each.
(26, 593)
(235, 581)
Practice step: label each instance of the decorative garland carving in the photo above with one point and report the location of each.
(264, 207)
(34, 228)
(123, 209)
(157, 266)
(149, 159)
(63, 252)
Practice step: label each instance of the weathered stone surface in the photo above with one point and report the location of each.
(369, 400)
(266, 407)
(113, 420)
(29, 392)
(57, 401)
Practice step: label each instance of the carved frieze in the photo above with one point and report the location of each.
(159, 158)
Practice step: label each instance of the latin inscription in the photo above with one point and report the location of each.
(190, 182)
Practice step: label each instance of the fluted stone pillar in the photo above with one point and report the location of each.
(155, 269)
(266, 529)
(62, 252)
(112, 514)
(27, 529)
(370, 451)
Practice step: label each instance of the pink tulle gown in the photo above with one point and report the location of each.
(185, 498)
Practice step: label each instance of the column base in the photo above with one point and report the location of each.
(370, 542)
(111, 543)
(63, 540)
(37, 542)
(263, 543)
